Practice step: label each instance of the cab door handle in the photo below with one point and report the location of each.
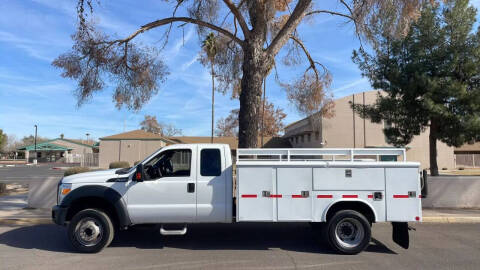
(191, 187)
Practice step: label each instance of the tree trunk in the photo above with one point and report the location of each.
(433, 149)
(250, 96)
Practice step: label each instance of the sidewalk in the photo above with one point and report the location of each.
(436, 215)
(14, 211)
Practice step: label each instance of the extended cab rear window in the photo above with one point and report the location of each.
(210, 162)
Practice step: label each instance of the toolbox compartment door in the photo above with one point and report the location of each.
(252, 204)
(295, 187)
(402, 194)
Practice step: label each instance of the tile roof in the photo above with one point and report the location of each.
(136, 135)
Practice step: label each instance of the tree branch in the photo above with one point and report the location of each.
(291, 24)
(329, 12)
(309, 57)
(165, 21)
(239, 16)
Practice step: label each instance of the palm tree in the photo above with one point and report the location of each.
(209, 45)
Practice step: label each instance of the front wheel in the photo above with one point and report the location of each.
(90, 230)
(348, 232)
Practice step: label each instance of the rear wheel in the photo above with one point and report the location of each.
(90, 230)
(348, 232)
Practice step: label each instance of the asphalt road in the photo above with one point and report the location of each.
(242, 246)
(24, 174)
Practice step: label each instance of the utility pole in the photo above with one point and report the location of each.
(353, 115)
(263, 109)
(88, 134)
(35, 142)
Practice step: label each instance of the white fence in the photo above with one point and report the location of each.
(86, 159)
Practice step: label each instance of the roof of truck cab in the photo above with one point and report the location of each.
(184, 145)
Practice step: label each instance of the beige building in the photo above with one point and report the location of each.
(129, 146)
(468, 155)
(136, 145)
(346, 130)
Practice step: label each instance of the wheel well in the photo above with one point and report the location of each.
(360, 207)
(92, 202)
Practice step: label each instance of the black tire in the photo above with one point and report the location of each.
(90, 231)
(348, 232)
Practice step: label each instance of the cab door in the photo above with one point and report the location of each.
(212, 186)
(169, 198)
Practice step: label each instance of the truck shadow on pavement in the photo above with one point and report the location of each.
(244, 236)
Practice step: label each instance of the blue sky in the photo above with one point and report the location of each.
(34, 32)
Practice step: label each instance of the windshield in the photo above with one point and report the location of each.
(131, 169)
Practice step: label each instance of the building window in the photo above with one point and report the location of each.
(317, 135)
(296, 139)
(302, 138)
(308, 137)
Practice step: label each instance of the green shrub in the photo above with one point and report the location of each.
(136, 162)
(119, 164)
(75, 170)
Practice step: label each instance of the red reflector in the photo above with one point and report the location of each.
(249, 196)
(324, 196)
(138, 176)
(420, 196)
(349, 196)
(275, 196)
(400, 196)
(370, 196)
(417, 218)
(297, 196)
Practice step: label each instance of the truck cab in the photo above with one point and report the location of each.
(176, 184)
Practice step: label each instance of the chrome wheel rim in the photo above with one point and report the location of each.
(89, 232)
(349, 232)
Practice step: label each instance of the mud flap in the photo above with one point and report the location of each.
(400, 234)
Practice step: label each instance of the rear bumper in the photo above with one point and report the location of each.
(59, 214)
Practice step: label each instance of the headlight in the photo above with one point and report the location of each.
(63, 191)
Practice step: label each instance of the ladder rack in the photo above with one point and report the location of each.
(317, 154)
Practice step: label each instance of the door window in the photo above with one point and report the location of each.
(170, 163)
(210, 162)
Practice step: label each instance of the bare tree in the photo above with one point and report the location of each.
(272, 121)
(252, 33)
(150, 124)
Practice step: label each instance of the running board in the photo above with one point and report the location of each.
(173, 232)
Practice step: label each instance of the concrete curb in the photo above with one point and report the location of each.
(25, 221)
(461, 219)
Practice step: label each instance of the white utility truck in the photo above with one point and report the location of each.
(340, 191)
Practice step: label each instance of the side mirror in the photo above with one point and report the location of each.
(139, 173)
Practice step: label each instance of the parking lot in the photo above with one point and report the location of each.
(24, 173)
(241, 246)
